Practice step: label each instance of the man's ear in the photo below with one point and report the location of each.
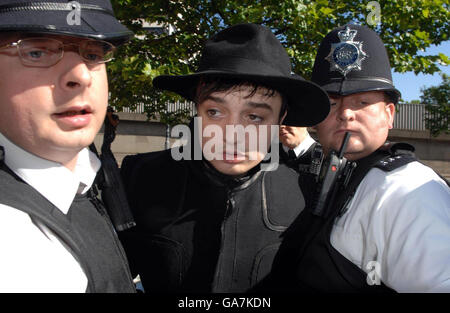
(390, 113)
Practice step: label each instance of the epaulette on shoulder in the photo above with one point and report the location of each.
(400, 154)
(390, 163)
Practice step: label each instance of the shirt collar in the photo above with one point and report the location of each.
(55, 182)
(303, 146)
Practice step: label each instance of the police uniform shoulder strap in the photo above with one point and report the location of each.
(390, 163)
(389, 157)
(399, 154)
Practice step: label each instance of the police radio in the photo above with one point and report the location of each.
(335, 172)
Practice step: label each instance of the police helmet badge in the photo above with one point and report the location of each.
(347, 54)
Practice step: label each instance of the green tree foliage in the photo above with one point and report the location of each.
(407, 27)
(437, 105)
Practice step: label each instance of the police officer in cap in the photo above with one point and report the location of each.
(388, 228)
(296, 146)
(55, 235)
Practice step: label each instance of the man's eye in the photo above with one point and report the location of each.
(212, 112)
(255, 118)
(93, 56)
(36, 54)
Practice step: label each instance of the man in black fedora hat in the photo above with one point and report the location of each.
(55, 234)
(213, 224)
(388, 228)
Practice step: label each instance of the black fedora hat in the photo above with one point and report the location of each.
(82, 18)
(251, 52)
(353, 59)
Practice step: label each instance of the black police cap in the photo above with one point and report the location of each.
(82, 18)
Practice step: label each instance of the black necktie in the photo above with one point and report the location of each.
(292, 155)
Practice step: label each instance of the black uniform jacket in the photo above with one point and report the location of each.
(201, 231)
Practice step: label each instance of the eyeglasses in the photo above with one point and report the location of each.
(46, 52)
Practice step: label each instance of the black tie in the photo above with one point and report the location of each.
(292, 155)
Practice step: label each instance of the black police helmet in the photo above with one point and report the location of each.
(353, 59)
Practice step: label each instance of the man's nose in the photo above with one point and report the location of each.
(76, 72)
(234, 130)
(345, 112)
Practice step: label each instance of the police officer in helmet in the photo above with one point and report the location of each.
(389, 228)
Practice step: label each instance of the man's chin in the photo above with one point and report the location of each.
(352, 151)
(353, 154)
(236, 169)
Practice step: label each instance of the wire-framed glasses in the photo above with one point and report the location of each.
(46, 52)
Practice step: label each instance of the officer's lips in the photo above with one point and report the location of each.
(75, 116)
(344, 130)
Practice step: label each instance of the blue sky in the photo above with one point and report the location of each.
(410, 84)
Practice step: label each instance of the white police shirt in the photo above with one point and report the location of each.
(302, 147)
(32, 257)
(397, 229)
